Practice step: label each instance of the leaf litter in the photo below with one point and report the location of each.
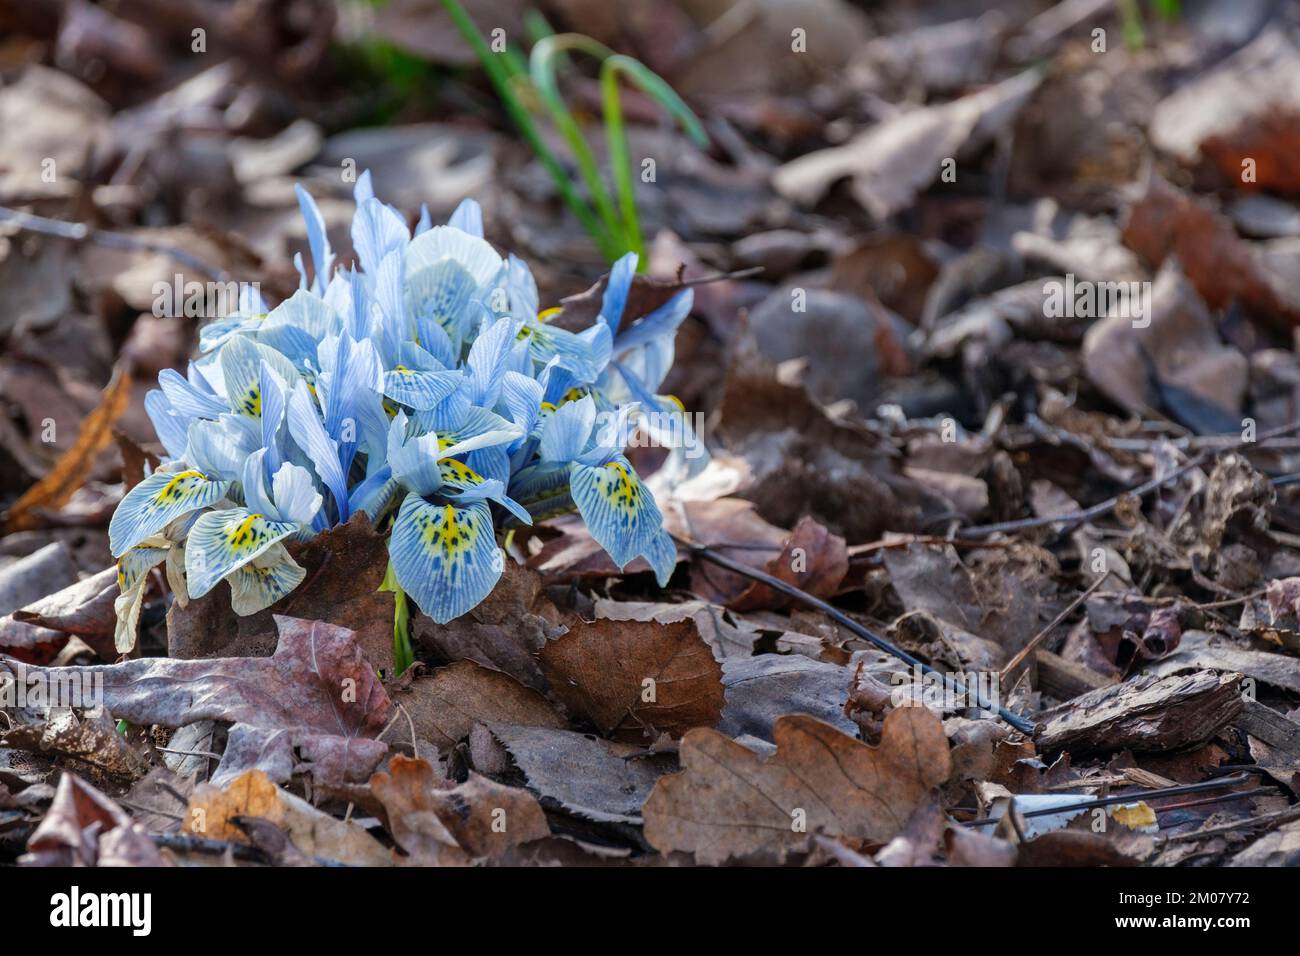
(958, 440)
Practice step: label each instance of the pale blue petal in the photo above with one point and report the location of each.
(222, 541)
(619, 511)
(323, 452)
(261, 582)
(568, 430)
(468, 218)
(317, 239)
(156, 502)
(614, 299)
(445, 557)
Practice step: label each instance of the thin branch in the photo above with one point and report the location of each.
(1075, 518)
(1041, 636)
(1141, 795)
(80, 232)
(708, 554)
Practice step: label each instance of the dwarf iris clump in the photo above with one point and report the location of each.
(421, 386)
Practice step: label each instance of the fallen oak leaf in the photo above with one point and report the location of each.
(317, 691)
(630, 678)
(729, 804)
(585, 775)
(447, 703)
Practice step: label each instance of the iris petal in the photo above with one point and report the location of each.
(156, 502)
(445, 556)
(222, 541)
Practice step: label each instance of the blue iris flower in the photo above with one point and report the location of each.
(423, 386)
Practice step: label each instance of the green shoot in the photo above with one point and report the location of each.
(403, 655)
(614, 226)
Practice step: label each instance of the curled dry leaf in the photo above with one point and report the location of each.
(84, 608)
(438, 823)
(214, 813)
(71, 471)
(85, 828)
(636, 679)
(728, 803)
(893, 161)
(317, 694)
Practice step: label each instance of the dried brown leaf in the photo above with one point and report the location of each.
(728, 803)
(634, 680)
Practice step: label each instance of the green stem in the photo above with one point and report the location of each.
(500, 75)
(403, 655)
(542, 64)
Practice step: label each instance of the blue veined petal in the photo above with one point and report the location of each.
(611, 435)
(364, 189)
(660, 324)
(614, 300)
(543, 490)
(479, 429)
(444, 556)
(464, 485)
(222, 541)
(468, 218)
(156, 502)
(662, 555)
(377, 230)
(261, 582)
(521, 397)
(420, 389)
(241, 368)
(440, 295)
(295, 344)
(568, 430)
(171, 428)
(585, 353)
(491, 462)
(350, 373)
(317, 239)
(556, 383)
(521, 288)
(448, 415)
(374, 494)
(187, 399)
(487, 359)
(474, 254)
(323, 452)
(219, 448)
(413, 458)
(135, 564)
(307, 311)
(252, 482)
(426, 221)
(619, 511)
(132, 576)
(217, 332)
(273, 404)
(390, 324)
